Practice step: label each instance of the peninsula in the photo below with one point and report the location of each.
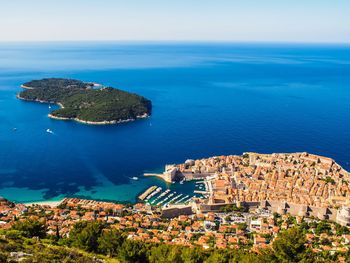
(88, 103)
(300, 184)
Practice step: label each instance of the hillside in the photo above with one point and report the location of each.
(79, 230)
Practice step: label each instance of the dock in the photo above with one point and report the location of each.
(147, 192)
(159, 189)
(153, 174)
(182, 199)
(173, 199)
(200, 192)
(166, 198)
(160, 196)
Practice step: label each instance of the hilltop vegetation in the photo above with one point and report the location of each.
(96, 242)
(102, 232)
(82, 102)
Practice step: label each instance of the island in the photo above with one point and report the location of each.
(86, 102)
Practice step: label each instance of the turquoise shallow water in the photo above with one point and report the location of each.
(209, 99)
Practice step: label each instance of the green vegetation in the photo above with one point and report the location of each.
(30, 228)
(329, 180)
(233, 208)
(95, 242)
(290, 246)
(84, 102)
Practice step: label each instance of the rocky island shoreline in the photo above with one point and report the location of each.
(97, 122)
(87, 103)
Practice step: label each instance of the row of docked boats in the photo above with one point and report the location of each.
(159, 189)
(165, 198)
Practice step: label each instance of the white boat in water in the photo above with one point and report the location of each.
(153, 193)
(49, 131)
(166, 198)
(182, 199)
(134, 178)
(160, 196)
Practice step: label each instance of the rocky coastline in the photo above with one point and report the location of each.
(53, 116)
(95, 122)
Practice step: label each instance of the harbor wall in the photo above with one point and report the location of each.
(175, 211)
(341, 216)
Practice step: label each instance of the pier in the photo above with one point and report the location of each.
(153, 174)
(182, 199)
(147, 192)
(169, 175)
(173, 199)
(200, 192)
(160, 196)
(166, 199)
(159, 189)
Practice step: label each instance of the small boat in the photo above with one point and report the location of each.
(134, 178)
(153, 193)
(14, 129)
(49, 131)
(49, 106)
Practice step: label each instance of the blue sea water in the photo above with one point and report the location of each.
(208, 99)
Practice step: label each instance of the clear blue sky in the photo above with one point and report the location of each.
(202, 20)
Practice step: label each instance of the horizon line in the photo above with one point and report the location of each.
(140, 41)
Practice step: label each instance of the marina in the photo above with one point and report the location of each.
(155, 196)
(166, 198)
(172, 200)
(182, 199)
(160, 196)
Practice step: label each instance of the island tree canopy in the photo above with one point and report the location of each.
(84, 102)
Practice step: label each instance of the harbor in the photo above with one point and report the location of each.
(157, 196)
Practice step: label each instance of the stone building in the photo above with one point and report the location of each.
(343, 216)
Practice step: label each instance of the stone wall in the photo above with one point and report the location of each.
(175, 211)
(341, 216)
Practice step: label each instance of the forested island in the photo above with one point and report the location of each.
(86, 102)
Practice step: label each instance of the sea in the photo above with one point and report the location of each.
(209, 99)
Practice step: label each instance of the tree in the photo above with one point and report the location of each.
(110, 241)
(242, 226)
(57, 237)
(164, 253)
(341, 230)
(85, 235)
(30, 228)
(3, 257)
(217, 257)
(289, 245)
(323, 227)
(132, 251)
(192, 255)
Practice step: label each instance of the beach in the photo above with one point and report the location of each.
(45, 203)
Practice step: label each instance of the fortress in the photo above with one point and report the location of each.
(300, 184)
(341, 215)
